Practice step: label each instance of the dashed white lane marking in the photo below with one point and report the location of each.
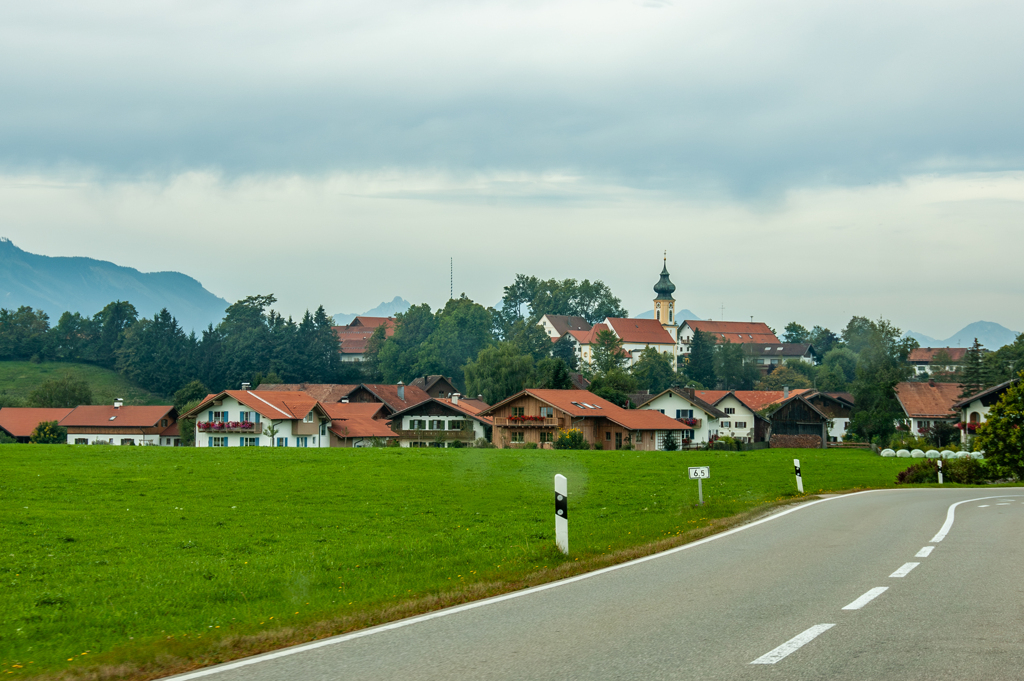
(983, 506)
(1002, 504)
(793, 644)
(925, 552)
(867, 598)
(904, 570)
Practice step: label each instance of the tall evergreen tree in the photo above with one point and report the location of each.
(701, 364)
(972, 371)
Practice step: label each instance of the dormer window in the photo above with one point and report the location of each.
(309, 418)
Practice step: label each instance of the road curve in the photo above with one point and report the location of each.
(843, 588)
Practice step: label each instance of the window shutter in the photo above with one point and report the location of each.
(209, 416)
(210, 442)
(257, 442)
(257, 417)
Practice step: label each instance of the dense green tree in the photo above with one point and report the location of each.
(565, 350)
(462, 330)
(843, 361)
(972, 371)
(733, 372)
(499, 371)
(72, 339)
(822, 341)
(192, 391)
(796, 333)
(783, 376)
(653, 371)
(65, 392)
(112, 321)
(49, 433)
(614, 385)
(606, 352)
(152, 351)
(881, 364)
(530, 298)
(858, 334)
(372, 370)
(187, 426)
(1003, 364)
(23, 333)
(830, 379)
(701, 363)
(399, 355)
(1001, 436)
(531, 339)
(552, 373)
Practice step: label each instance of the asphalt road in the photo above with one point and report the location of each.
(767, 601)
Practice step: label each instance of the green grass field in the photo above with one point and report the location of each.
(157, 559)
(19, 379)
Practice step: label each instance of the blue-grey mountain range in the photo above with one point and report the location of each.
(991, 335)
(85, 285)
(383, 310)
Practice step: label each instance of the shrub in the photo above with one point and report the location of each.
(530, 445)
(456, 444)
(571, 439)
(6, 439)
(482, 443)
(926, 470)
(967, 471)
(904, 440)
(49, 433)
(670, 443)
(1001, 436)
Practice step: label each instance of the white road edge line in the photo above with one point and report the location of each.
(867, 598)
(794, 644)
(904, 570)
(334, 640)
(948, 525)
(925, 552)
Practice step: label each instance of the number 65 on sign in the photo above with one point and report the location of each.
(698, 472)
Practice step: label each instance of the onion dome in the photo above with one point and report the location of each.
(664, 288)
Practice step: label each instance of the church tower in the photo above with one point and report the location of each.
(665, 304)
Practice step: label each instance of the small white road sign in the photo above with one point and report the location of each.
(698, 472)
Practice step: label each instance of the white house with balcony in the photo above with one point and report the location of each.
(698, 419)
(974, 409)
(440, 422)
(245, 418)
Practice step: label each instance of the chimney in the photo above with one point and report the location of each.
(246, 386)
(118, 402)
(401, 391)
(455, 398)
(480, 398)
(785, 392)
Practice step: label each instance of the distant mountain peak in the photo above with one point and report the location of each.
(386, 309)
(990, 334)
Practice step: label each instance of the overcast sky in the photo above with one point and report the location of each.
(798, 160)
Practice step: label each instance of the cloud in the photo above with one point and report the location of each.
(931, 252)
(745, 97)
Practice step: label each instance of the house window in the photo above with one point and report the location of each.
(417, 424)
(740, 424)
(437, 425)
(81, 440)
(608, 435)
(924, 424)
(127, 441)
(730, 410)
(458, 425)
(218, 442)
(518, 411)
(309, 418)
(282, 442)
(684, 413)
(163, 423)
(517, 436)
(245, 416)
(250, 442)
(660, 411)
(218, 416)
(302, 442)
(547, 437)
(547, 412)
(725, 424)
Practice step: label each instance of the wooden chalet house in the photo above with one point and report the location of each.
(441, 422)
(536, 416)
(798, 423)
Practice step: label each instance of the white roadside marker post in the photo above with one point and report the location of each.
(561, 514)
(699, 473)
(940, 471)
(799, 480)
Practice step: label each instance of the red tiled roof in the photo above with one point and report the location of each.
(354, 336)
(928, 354)
(735, 332)
(388, 394)
(344, 410)
(756, 400)
(21, 421)
(321, 392)
(640, 331)
(588, 337)
(564, 323)
(712, 397)
(467, 409)
(171, 431)
(275, 405)
(642, 419)
(696, 401)
(633, 419)
(924, 400)
(361, 426)
(108, 416)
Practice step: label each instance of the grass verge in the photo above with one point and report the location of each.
(140, 563)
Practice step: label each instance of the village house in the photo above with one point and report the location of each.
(927, 404)
(393, 397)
(556, 325)
(768, 357)
(536, 416)
(121, 425)
(973, 410)
(797, 423)
(741, 420)
(838, 407)
(321, 392)
(698, 419)
(440, 422)
(754, 333)
(358, 424)
(922, 360)
(247, 418)
(19, 422)
(353, 338)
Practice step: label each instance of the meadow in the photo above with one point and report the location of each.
(19, 379)
(142, 561)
